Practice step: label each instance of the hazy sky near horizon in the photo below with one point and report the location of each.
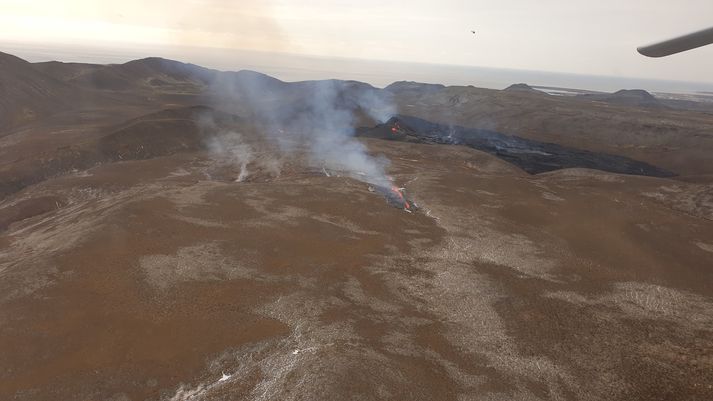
(573, 36)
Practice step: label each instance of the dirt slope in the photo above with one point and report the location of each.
(161, 278)
(27, 94)
(162, 244)
(676, 140)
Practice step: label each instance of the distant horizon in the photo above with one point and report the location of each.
(301, 67)
(587, 38)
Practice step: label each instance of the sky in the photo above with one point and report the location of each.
(574, 36)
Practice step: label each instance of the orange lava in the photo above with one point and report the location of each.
(395, 190)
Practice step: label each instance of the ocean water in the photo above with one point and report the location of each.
(290, 67)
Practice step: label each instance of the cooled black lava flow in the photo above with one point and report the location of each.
(532, 156)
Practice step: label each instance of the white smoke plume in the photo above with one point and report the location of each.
(229, 147)
(316, 116)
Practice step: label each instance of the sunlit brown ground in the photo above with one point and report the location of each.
(152, 279)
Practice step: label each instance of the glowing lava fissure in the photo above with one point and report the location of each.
(400, 197)
(395, 197)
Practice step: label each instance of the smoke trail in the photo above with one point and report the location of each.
(318, 116)
(230, 148)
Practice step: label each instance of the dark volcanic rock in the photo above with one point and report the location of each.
(163, 133)
(133, 75)
(408, 86)
(523, 88)
(158, 134)
(532, 156)
(626, 97)
(27, 94)
(638, 94)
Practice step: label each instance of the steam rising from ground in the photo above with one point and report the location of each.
(230, 147)
(315, 117)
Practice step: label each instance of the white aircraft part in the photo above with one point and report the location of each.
(679, 44)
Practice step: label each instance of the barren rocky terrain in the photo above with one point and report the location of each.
(169, 232)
